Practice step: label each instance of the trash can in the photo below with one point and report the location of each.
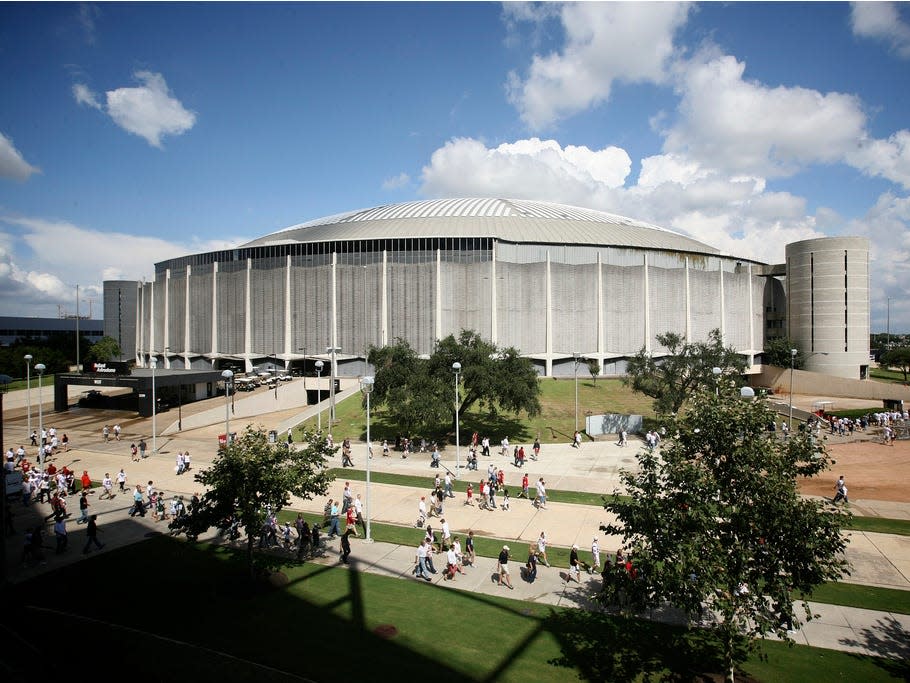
(273, 436)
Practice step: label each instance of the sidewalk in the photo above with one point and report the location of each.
(838, 628)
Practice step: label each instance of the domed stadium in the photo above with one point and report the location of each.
(549, 279)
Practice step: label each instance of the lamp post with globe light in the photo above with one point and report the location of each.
(456, 368)
(28, 389)
(40, 368)
(319, 366)
(228, 377)
(366, 386)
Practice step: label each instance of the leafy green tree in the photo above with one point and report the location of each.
(777, 353)
(897, 358)
(672, 379)
(104, 349)
(420, 392)
(252, 474)
(715, 522)
(593, 368)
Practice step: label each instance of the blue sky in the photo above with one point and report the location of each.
(132, 133)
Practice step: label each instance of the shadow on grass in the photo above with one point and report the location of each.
(495, 426)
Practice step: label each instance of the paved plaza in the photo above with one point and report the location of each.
(878, 559)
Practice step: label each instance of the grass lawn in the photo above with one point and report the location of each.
(866, 597)
(554, 424)
(881, 525)
(179, 611)
(43, 380)
(884, 375)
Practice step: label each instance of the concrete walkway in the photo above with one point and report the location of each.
(878, 559)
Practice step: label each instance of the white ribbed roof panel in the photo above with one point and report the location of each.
(511, 220)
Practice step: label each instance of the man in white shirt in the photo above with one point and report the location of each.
(107, 484)
(421, 570)
(541, 501)
(358, 508)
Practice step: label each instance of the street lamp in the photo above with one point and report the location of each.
(793, 353)
(319, 366)
(333, 350)
(456, 368)
(575, 356)
(228, 376)
(28, 389)
(40, 370)
(716, 371)
(366, 386)
(154, 363)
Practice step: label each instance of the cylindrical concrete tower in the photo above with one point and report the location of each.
(828, 304)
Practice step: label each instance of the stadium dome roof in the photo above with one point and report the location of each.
(510, 220)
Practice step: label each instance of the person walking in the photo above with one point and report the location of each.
(840, 489)
(83, 508)
(469, 548)
(143, 447)
(573, 565)
(576, 439)
(334, 529)
(595, 555)
(346, 545)
(502, 566)
(61, 535)
(420, 571)
(540, 502)
(531, 564)
(121, 480)
(358, 512)
(108, 485)
(524, 487)
(421, 512)
(536, 448)
(542, 549)
(91, 535)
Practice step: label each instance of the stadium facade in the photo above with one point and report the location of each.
(551, 280)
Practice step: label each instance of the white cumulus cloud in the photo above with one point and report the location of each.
(148, 110)
(604, 42)
(35, 279)
(12, 165)
(396, 182)
(881, 21)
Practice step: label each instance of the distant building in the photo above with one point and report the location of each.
(14, 327)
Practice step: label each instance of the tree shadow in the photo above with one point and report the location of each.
(890, 642)
(604, 647)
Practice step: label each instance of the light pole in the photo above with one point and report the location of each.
(319, 366)
(716, 371)
(40, 370)
(793, 353)
(228, 376)
(28, 389)
(575, 356)
(154, 363)
(333, 350)
(366, 386)
(456, 368)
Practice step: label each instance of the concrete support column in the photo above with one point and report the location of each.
(186, 320)
(384, 324)
(688, 304)
(288, 331)
(723, 326)
(647, 303)
(167, 317)
(152, 318)
(601, 317)
(494, 322)
(438, 294)
(751, 318)
(549, 325)
(248, 322)
(214, 311)
(334, 369)
(140, 326)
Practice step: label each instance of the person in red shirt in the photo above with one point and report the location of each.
(86, 481)
(51, 470)
(351, 525)
(524, 487)
(500, 479)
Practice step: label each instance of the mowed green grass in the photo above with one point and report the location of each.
(199, 616)
(554, 424)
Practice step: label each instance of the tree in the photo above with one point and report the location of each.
(252, 475)
(688, 365)
(716, 522)
(593, 367)
(420, 392)
(897, 358)
(778, 351)
(104, 349)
